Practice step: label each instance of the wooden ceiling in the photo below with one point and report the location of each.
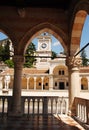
(63, 4)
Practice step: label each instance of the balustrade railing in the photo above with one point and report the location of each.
(45, 105)
(37, 105)
(4, 100)
(82, 110)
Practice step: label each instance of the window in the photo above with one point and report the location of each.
(46, 84)
(67, 84)
(59, 72)
(39, 84)
(55, 83)
(62, 72)
(61, 85)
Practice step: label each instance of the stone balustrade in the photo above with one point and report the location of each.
(82, 109)
(37, 105)
(31, 105)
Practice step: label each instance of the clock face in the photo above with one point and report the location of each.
(43, 45)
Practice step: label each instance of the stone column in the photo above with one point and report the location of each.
(42, 82)
(74, 83)
(45, 105)
(16, 100)
(51, 82)
(34, 83)
(27, 83)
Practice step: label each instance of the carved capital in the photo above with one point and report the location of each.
(73, 62)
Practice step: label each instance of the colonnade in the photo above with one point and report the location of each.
(30, 79)
(73, 64)
(16, 103)
(42, 77)
(74, 82)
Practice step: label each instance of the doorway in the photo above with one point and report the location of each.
(61, 85)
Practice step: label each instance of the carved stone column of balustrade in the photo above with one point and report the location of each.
(16, 100)
(73, 64)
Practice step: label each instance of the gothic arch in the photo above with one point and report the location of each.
(8, 32)
(38, 29)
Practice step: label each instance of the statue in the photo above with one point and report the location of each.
(7, 81)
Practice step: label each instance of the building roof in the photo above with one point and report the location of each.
(25, 71)
(84, 69)
(33, 71)
(41, 71)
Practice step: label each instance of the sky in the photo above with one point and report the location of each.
(56, 45)
(85, 36)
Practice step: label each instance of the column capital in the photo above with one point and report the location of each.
(42, 77)
(73, 62)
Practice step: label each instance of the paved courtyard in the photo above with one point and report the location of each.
(39, 122)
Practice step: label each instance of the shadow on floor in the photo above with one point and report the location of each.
(34, 122)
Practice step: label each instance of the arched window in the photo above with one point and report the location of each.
(59, 72)
(84, 83)
(63, 72)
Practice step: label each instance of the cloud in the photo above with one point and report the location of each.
(56, 43)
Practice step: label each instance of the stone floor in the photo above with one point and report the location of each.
(39, 122)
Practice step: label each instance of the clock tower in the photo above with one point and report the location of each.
(44, 51)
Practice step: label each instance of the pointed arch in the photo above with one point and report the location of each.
(37, 30)
(9, 33)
